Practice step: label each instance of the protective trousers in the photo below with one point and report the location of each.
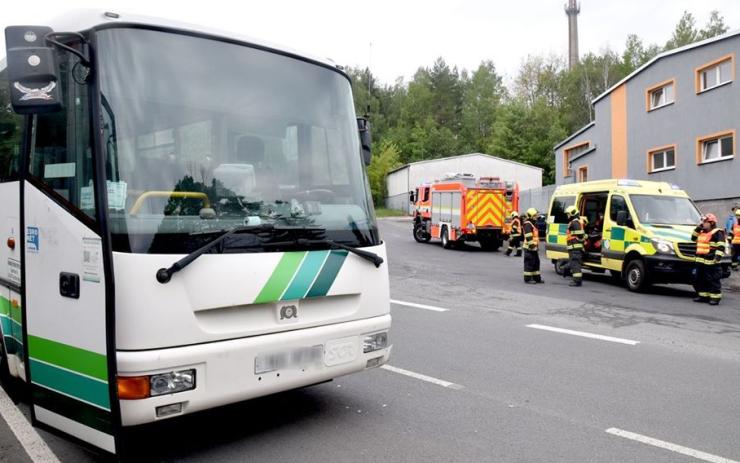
(575, 263)
(708, 281)
(532, 265)
(515, 245)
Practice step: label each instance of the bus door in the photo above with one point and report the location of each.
(68, 322)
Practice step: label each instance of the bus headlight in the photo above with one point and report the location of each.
(169, 383)
(662, 246)
(376, 341)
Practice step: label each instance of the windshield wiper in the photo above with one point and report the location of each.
(302, 242)
(165, 274)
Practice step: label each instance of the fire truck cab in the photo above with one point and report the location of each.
(461, 208)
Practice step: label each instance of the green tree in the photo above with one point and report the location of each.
(715, 26)
(684, 33)
(385, 159)
(482, 98)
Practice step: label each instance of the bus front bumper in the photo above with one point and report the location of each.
(226, 371)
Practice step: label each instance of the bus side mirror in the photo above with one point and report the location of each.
(363, 126)
(622, 218)
(33, 71)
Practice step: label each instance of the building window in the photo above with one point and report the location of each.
(661, 95)
(660, 159)
(716, 73)
(582, 174)
(717, 147)
(571, 152)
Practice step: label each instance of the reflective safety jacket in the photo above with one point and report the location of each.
(735, 233)
(516, 227)
(531, 235)
(710, 246)
(575, 236)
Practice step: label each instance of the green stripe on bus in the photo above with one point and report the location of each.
(68, 407)
(72, 384)
(69, 357)
(328, 274)
(306, 275)
(280, 278)
(4, 306)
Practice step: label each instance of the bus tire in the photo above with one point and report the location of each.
(635, 276)
(446, 243)
(420, 234)
(9, 383)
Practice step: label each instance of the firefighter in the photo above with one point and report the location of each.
(515, 237)
(575, 238)
(531, 249)
(735, 241)
(710, 246)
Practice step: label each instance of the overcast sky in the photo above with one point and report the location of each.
(407, 34)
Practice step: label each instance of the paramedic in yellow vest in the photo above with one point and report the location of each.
(575, 239)
(735, 241)
(531, 248)
(710, 249)
(515, 237)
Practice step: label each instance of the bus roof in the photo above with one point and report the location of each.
(78, 20)
(624, 185)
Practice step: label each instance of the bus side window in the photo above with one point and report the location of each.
(61, 148)
(559, 203)
(11, 125)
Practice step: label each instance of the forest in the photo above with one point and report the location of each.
(445, 111)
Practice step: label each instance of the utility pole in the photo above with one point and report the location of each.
(572, 9)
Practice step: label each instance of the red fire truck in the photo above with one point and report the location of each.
(462, 208)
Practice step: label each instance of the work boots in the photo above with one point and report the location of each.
(701, 299)
(508, 252)
(575, 283)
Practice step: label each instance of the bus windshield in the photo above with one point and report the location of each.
(665, 210)
(204, 135)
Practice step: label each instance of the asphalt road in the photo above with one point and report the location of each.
(477, 383)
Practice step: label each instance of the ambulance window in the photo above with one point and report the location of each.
(559, 203)
(10, 133)
(618, 204)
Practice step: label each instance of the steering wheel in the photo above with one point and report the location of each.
(320, 194)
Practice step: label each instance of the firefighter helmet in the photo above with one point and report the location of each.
(571, 211)
(516, 214)
(531, 212)
(710, 218)
(737, 212)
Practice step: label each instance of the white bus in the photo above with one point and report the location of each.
(186, 223)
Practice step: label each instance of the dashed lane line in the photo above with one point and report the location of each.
(584, 334)
(689, 452)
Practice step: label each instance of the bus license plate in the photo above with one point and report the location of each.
(339, 351)
(294, 359)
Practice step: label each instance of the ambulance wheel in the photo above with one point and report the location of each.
(635, 276)
(446, 243)
(420, 235)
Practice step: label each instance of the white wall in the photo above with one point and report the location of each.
(413, 175)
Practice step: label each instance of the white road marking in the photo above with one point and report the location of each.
(584, 334)
(419, 306)
(35, 447)
(428, 379)
(699, 455)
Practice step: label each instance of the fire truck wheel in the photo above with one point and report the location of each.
(420, 235)
(446, 243)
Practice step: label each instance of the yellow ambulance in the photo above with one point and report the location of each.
(640, 231)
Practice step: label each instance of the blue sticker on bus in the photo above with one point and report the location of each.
(32, 239)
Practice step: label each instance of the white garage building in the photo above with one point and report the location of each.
(404, 179)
